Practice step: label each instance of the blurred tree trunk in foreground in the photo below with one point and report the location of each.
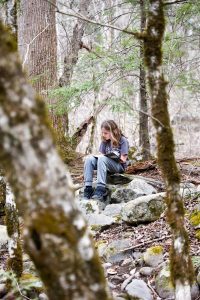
(181, 265)
(55, 233)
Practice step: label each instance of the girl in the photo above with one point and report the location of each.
(112, 140)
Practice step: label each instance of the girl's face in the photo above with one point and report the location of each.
(105, 134)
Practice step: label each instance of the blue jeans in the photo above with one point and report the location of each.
(103, 165)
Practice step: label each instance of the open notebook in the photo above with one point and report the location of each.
(115, 155)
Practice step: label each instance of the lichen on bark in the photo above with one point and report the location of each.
(181, 266)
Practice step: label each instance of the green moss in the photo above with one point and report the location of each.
(197, 234)
(7, 39)
(195, 218)
(15, 263)
(155, 250)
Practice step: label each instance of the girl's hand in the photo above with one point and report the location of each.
(123, 158)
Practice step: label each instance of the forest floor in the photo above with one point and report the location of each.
(142, 236)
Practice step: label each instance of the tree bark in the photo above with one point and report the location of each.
(143, 114)
(55, 234)
(15, 261)
(37, 43)
(180, 262)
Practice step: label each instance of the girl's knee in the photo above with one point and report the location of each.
(90, 159)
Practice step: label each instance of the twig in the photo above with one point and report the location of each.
(153, 291)
(146, 243)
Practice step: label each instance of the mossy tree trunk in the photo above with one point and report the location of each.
(181, 266)
(143, 116)
(15, 261)
(55, 234)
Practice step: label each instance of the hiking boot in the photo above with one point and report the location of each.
(88, 192)
(100, 193)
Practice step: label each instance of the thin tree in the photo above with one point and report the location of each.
(180, 261)
(143, 114)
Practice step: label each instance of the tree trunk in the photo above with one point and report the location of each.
(143, 116)
(11, 15)
(55, 234)
(181, 265)
(37, 43)
(15, 262)
(71, 56)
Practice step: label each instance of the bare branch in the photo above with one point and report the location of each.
(80, 16)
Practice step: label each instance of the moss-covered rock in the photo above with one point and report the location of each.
(153, 256)
(195, 218)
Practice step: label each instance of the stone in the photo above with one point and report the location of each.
(3, 290)
(43, 296)
(153, 256)
(124, 195)
(146, 271)
(137, 288)
(3, 236)
(112, 252)
(143, 186)
(88, 207)
(118, 179)
(113, 210)
(187, 189)
(164, 286)
(99, 220)
(144, 209)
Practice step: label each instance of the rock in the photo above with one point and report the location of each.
(99, 220)
(143, 186)
(101, 246)
(198, 278)
(146, 271)
(118, 179)
(2, 289)
(112, 252)
(128, 262)
(165, 288)
(138, 289)
(43, 296)
(124, 195)
(163, 283)
(153, 256)
(144, 209)
(88, 207)
(3, 236)
(136, 188)
(113, 210)
(187, 189)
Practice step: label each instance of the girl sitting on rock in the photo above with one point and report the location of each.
(113, 142)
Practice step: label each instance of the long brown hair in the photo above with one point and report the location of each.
(114, 130)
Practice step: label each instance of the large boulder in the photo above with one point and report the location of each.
(144, 209)
(136, 188)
